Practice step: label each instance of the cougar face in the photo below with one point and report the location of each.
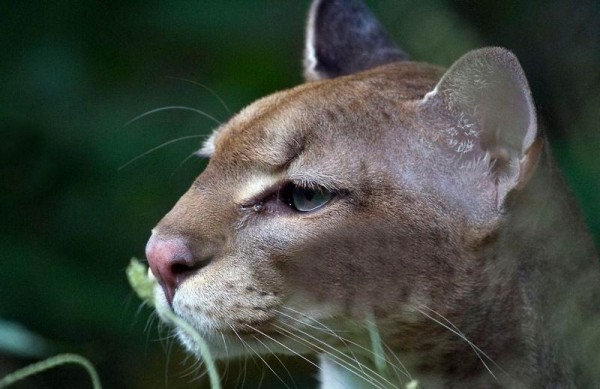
(253, 257)
(381, 190)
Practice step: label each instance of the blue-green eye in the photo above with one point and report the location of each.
(306, 199)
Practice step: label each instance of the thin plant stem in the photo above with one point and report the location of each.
(50, 363)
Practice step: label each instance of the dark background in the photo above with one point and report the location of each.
(72, 74)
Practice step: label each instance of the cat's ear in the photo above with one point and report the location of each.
(484, 110)
(343, 37)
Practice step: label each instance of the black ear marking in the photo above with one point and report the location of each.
(344, 37)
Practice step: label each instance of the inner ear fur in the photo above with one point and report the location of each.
(484, 105)
(343, 37)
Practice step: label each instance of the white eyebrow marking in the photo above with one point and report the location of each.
(256, 185)
(208, 147)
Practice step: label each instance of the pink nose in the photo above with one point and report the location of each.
(171, 262)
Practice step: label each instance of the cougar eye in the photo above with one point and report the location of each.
(305, 199)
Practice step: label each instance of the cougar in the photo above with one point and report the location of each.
(391, 200)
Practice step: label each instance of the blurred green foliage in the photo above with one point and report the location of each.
(73, 73)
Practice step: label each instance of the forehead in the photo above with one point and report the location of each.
(276, 129)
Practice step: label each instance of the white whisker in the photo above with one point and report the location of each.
(397, 368)
(284, 346)
(282, 364)
(347, 365)
(159, 147)
(244, 371)
(194, 368)
(400, 365)
(193, 154)
(245, 357)
(212, 92)
(267, 365)
(455, 331)
(168, 361)
(173, 107)
(225, 345)
(323, 328)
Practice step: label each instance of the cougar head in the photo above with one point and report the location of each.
(373, 190)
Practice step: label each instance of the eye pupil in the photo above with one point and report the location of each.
(308, 199)
(309, 195)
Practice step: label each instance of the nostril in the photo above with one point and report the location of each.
(182, 269)
(171, 261)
